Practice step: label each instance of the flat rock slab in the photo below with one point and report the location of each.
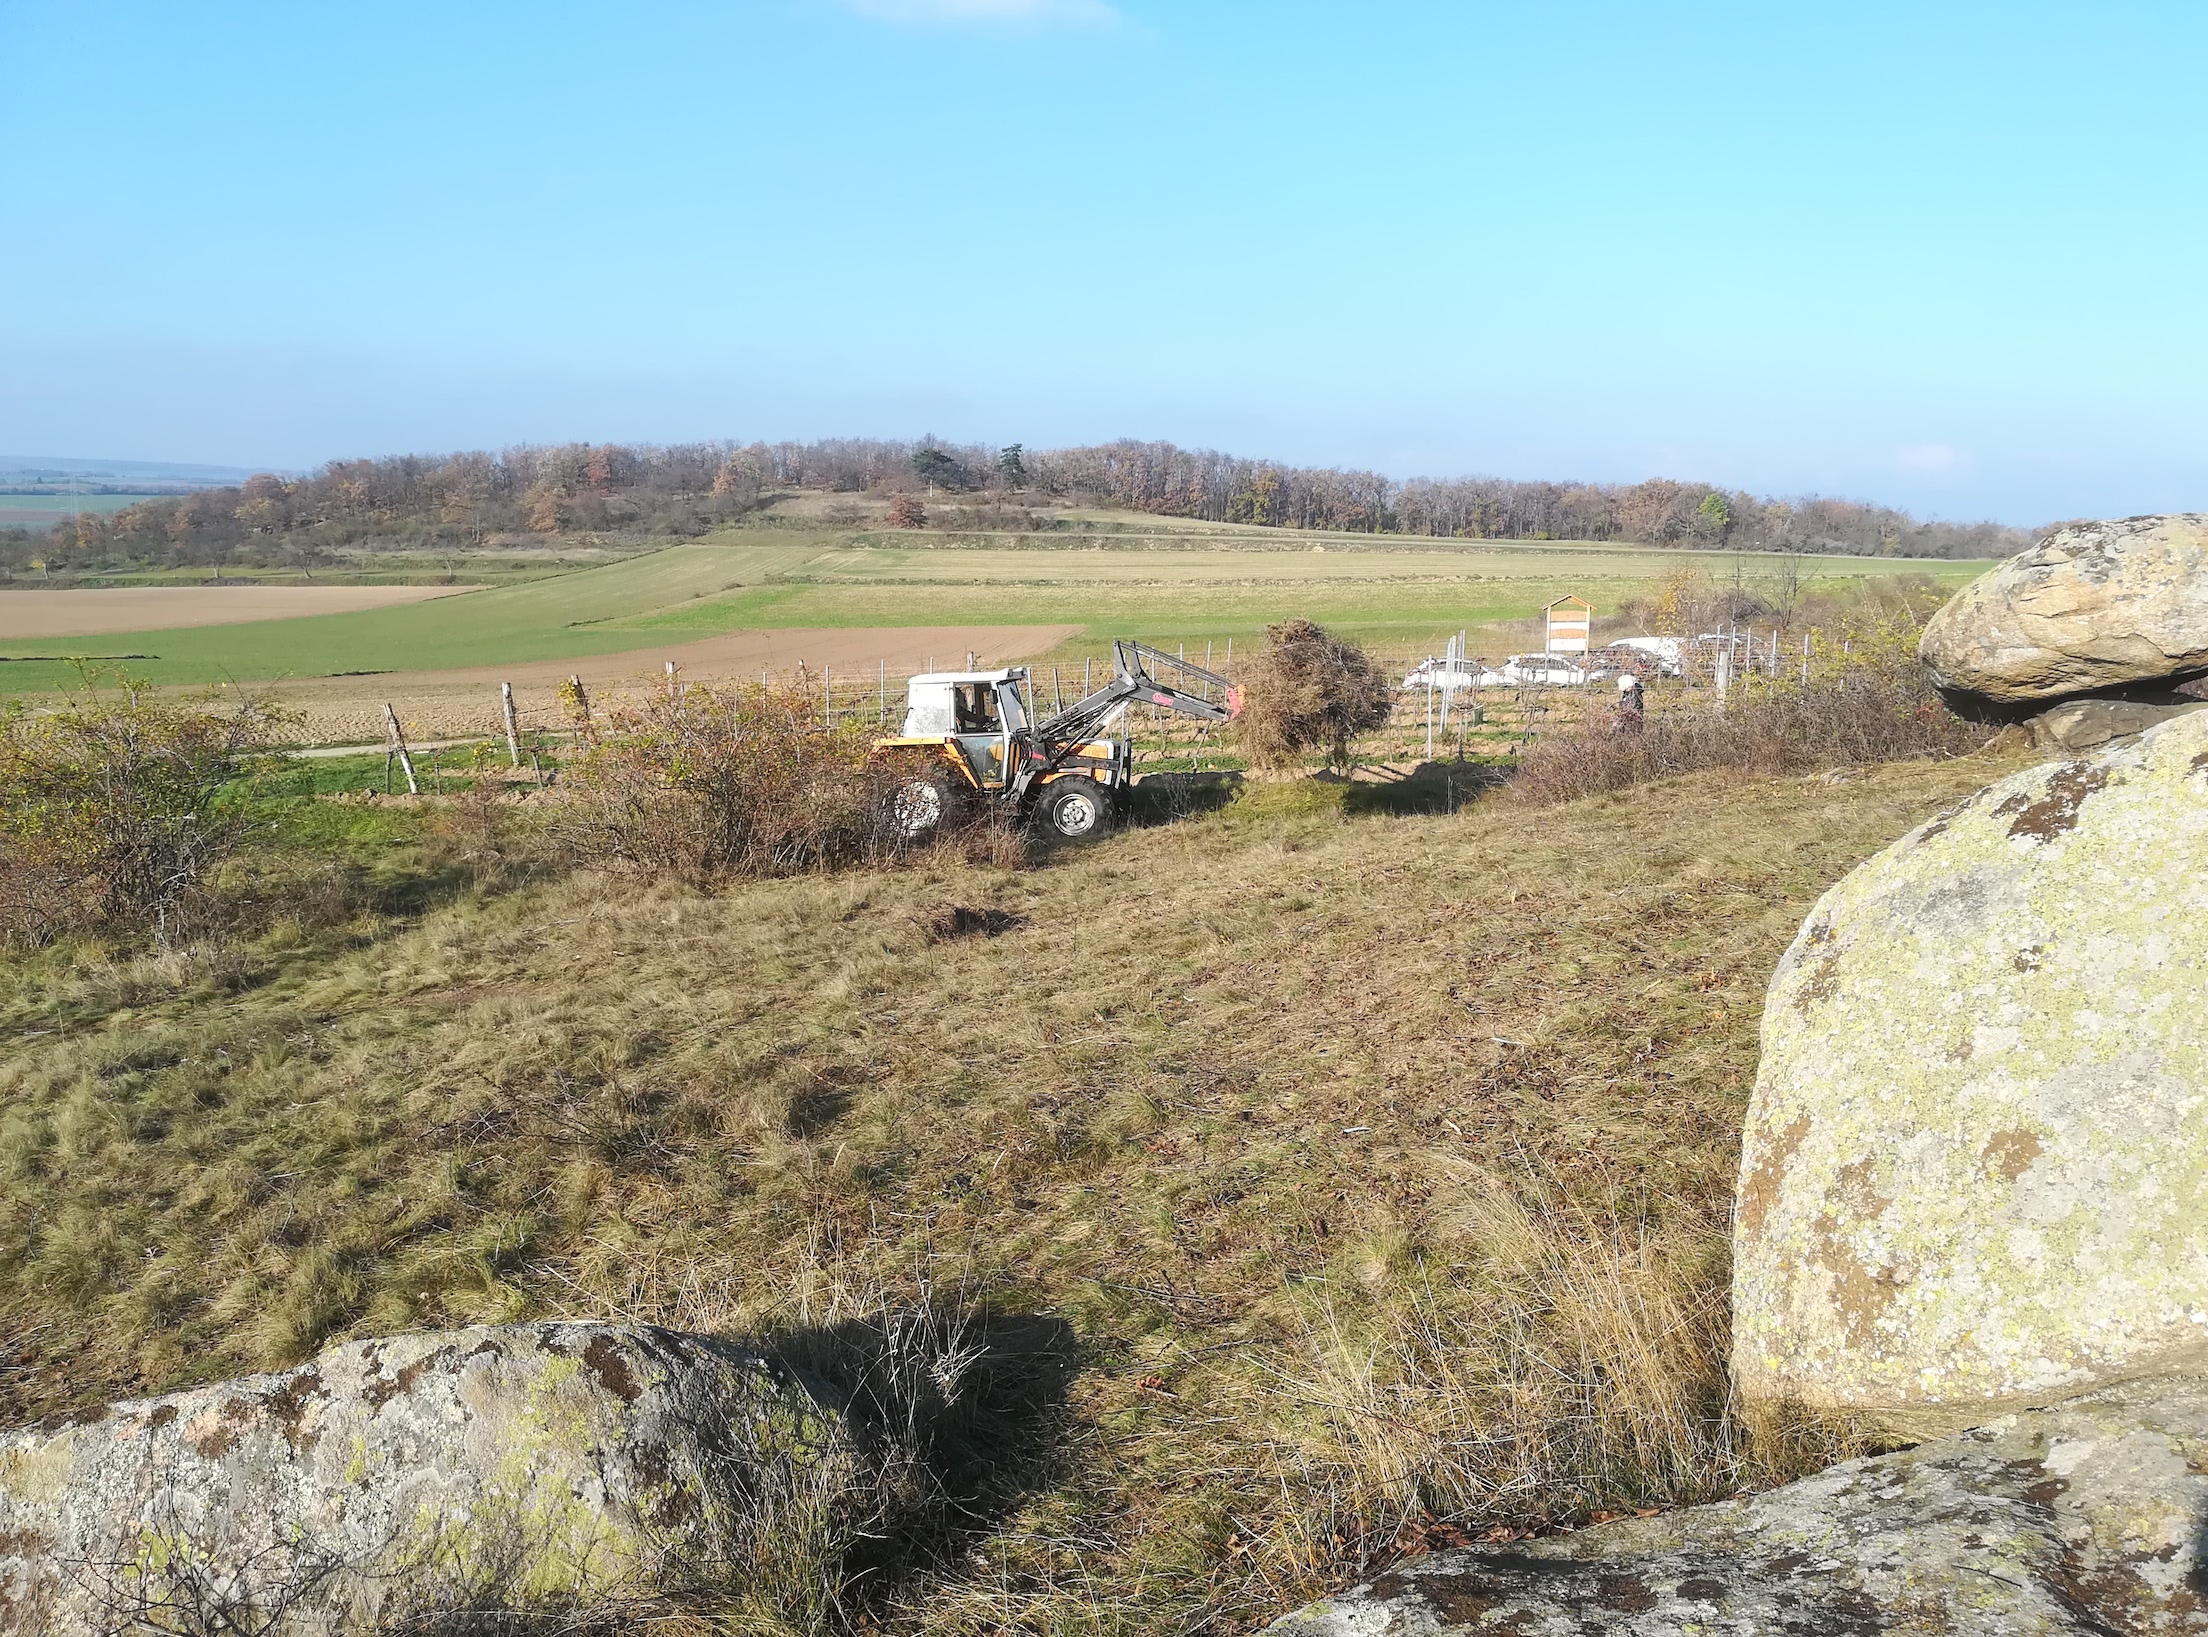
(2086, 1517)
(2089, 608)
(2079, 725)
(529, 1467)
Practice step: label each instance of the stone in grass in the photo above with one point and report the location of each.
(2086, 1518)
(548, 1466)
(2090, 608)
(1975, 1171)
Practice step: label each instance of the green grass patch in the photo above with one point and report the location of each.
(103, 505)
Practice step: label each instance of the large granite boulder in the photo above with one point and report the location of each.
(538, 1467)
(2083, 1519)
(2088, 609)
(1975, 1169)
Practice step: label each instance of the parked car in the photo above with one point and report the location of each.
(1643, 656)
(1444, 675)
(1537, 670)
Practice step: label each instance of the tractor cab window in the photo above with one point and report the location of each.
(975, 707)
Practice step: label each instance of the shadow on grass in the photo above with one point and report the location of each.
(1164, 798)
(1430, 787)
(960, 1415)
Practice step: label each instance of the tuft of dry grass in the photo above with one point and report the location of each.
(1375, 1170)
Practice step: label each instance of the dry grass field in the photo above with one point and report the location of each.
(1378, 1166)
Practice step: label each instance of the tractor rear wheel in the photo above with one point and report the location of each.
(1074, 809)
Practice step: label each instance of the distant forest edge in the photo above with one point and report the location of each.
(459, 501)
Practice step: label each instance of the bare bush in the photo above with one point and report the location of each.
(713, 783)
(1864, 699)
(111, 808)
(1309, 690)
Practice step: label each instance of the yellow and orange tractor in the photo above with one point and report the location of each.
(972, 735)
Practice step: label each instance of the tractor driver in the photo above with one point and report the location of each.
(974, 705)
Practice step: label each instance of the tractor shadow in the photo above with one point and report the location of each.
(1422, 787)
(1166, 798)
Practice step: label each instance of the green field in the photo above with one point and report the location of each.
(51, 505)
(552, 618)
(1188, 595)
(1221, 584)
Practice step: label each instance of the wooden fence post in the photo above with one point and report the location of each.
(398, 746)
(513, 727)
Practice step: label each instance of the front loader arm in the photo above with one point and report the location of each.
(1132, 683)
(1056, 739)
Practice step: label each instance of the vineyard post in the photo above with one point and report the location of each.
(398, 748)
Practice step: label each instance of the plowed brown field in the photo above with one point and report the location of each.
(173, 607)
(456, 703)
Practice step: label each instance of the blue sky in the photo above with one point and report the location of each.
(1944, 254)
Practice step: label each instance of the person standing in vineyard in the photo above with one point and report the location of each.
(1632, 705)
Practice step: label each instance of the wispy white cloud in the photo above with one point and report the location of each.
(987, 11)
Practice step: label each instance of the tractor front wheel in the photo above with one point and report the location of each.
(1074, 810)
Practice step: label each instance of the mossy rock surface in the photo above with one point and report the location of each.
(2082, 1520)
(533, 1467)
(1975, 1170)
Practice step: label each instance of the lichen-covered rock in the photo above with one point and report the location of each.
(529, 1466)
(1975, 1170)
(2087, 609)
(2082, 1519)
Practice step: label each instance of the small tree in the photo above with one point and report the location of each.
(1713, 519)
(938, 470)
(906, 512)
(1309, 690)
(1012, 465)
(110, 809)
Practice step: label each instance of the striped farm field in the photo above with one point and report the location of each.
(1165, 585)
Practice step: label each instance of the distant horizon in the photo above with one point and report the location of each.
(223, 475)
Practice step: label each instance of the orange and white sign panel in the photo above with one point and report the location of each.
(1569, 619)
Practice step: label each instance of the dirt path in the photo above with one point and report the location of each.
(80, 613)
(453, 703)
